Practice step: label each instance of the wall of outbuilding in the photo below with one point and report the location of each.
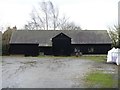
(91, 48)
(45, 50)
(61, 45)
(34, 50)
(25, 49)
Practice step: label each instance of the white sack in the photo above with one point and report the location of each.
(109, 55)
(114, 56)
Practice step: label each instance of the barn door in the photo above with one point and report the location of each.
(61, 45)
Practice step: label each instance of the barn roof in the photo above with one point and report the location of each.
(44, 37)
(0, 43)
(0, 35)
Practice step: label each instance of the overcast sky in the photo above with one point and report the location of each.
(89, 14)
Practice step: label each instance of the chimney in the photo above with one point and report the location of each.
(14, 28)
(8, 28)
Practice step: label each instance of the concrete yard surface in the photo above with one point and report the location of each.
(44, 72)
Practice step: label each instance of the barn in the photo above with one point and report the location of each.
(59, 42)
(0, 43)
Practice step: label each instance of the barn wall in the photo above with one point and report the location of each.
(92, 48)
(45, 50)
(25, 49)
(34, 50)
(61, 45)
(84, 48)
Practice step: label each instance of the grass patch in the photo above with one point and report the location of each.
(45, 56)
(99, 79)
(98, 58)
(48, 56)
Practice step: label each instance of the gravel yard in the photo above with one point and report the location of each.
(47, 72)
(0, 72)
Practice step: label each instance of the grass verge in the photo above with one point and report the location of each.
(98, 79)
(50, 56)
(96, 58)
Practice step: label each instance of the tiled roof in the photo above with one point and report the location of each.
(44, 37)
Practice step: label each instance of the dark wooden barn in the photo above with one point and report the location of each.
(59, 42)
(27, 49)
(0, 43)
(61, 45)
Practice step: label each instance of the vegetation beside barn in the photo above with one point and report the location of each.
(6, 36)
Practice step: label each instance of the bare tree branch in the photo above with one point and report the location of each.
(114, 34)
(47, 17)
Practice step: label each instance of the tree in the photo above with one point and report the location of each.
(118, 37)
(6, 39)
(70, 26)
(47, 17)
(54, 15)
(36, 22)
(114, 33)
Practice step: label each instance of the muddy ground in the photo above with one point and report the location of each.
(49, 72)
